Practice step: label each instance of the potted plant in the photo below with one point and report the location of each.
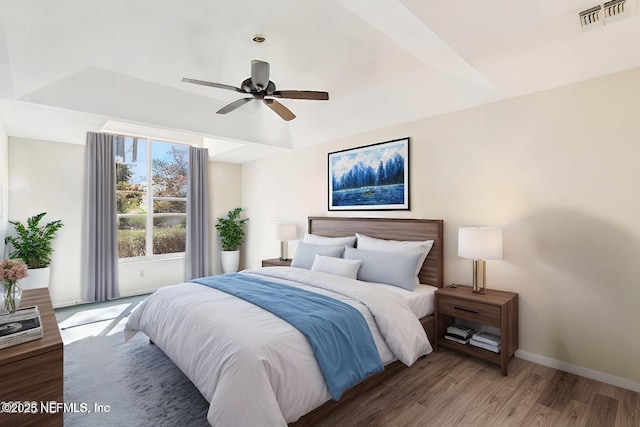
(231, 230)
(33, 246)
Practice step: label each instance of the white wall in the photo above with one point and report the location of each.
(46, 176)
(558, 170)
(49, 177)
(224, 195)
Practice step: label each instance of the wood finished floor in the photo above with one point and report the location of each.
(449, 389)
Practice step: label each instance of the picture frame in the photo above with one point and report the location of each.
(371, 177)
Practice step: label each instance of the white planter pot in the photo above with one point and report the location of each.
(230, 261)
(37, 278)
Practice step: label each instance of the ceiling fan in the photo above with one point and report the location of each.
(262, 89)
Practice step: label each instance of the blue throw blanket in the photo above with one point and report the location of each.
(337, 332)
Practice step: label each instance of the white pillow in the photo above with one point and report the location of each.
(306, 253)
(338, 266)
(369, 243)
(314, 239)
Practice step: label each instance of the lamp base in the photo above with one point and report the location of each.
(479, 278)
(284, 249)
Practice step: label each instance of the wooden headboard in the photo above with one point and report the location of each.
(390, 229)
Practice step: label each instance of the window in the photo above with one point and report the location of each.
(151, 191)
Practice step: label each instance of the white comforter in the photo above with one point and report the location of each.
(254, 368)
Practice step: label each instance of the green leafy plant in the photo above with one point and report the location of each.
(33, 242)
(231, 230)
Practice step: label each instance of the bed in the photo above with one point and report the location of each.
(256, 369)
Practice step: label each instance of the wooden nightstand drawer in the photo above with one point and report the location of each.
(470, 310)
(276, 262)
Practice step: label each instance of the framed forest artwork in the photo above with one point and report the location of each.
(373, 177)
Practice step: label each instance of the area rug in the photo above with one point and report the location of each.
(135, 381)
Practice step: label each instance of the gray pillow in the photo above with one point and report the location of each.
(315, 239)
(392, 268)
(306, 254)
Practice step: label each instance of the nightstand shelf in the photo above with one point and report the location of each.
(276, 262)
(494, 308)
(471, 350)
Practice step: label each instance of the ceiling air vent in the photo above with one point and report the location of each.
(590, 16)
(613, 8)
(610, 11)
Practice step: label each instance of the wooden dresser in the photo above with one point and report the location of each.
(33, 371)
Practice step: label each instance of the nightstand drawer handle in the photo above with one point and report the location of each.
(466, 309)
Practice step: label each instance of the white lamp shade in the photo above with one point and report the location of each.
(480, 242)
(286, 231)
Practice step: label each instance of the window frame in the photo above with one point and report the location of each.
(150, 215)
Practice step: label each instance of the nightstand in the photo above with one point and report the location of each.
(276, 262)
(493, 308)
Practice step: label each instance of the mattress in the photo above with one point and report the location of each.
(420, 300)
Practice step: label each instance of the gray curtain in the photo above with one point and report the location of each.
(102, 250)
(197, 246)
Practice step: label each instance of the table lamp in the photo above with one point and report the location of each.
(285, 231)
(479, 244)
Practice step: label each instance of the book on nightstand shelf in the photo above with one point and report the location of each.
(457, 339)
(486, 340)
(486, 337)
(21, 326)
(458, 333)
(490, 347)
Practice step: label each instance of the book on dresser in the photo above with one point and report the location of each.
(486, 340)
(23, 325)
(459, 334)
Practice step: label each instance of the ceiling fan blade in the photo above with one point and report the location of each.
(259, 74)
(211, 84)
(280, 109)
(302, 94)
(235, 104)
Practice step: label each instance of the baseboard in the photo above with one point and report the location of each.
(579, 370)
(122, 295)
(138, 293)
